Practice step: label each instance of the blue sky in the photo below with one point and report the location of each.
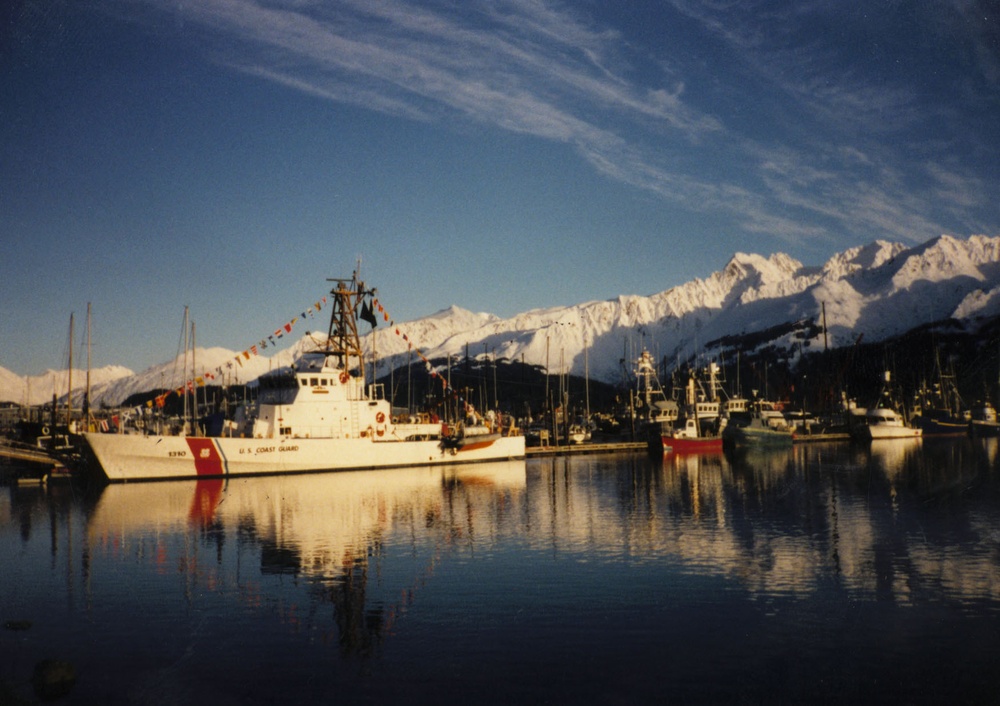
(231, 155)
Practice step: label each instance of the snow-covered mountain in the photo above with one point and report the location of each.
(40, 388)
(881, 290)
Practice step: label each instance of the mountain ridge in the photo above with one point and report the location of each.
(880, 289)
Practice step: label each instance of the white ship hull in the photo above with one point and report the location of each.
(870, 433)
(134, 457)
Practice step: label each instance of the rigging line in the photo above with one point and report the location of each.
(446, 387)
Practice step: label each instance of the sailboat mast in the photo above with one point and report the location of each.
(184, 366)
(86, 396)
(547, 406)
(194, 382)
(69, 384)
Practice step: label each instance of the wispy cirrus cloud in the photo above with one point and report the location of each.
(876, 97)
(542, 69)
(489, 65)
(520, 65)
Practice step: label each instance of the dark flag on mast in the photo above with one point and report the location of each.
(368, 315)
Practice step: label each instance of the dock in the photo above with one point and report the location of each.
(807, 438)
(585, 448)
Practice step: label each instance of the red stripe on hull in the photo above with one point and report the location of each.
(207, 461)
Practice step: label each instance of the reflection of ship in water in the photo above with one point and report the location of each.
(330, 529)
(891, 455)
(988, 446)
(762, 461)
(798, 521)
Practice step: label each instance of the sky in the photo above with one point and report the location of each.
(232, 155)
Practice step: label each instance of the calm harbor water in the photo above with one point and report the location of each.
(825, 573)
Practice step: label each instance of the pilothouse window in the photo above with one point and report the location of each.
(277, 382)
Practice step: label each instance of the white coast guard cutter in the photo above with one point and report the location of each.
(318, 416)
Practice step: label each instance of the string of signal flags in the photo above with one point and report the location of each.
(367, 314)
(246, 354)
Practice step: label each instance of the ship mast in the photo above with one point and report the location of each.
(342, 340)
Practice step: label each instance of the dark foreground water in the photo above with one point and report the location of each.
(820, 574)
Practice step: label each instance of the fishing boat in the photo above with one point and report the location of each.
(657, 414)
(984, 420)
(701, 424)
(881, 421)
(694, 427)
(319, 415)
(690, 438)
(884, 423)
(761, 429)
(937, 411)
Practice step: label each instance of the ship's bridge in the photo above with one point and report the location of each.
(313, 362)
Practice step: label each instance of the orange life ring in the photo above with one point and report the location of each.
(380, 417)
(380, 430)
(343, 377)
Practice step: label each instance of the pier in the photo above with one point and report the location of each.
(585, 448)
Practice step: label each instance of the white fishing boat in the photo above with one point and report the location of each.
(882, 421)
(320, 415)
(885, 423)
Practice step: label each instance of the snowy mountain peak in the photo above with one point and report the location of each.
(748, 271)
(943, 259)
(865, 257)
(456, 314)
(776, 267)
